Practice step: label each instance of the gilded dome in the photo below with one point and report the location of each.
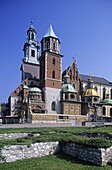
(90, 92)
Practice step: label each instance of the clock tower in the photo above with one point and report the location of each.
(30, 65)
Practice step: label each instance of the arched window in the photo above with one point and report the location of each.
(111, 93)
(111, 112)
(70, 74)
(66, 96)
(53, 106)
(104, 92)
(33, 53)
(32, 36)
(74, 85)
(53, 61)
(53, 74)
(95, 88)
(104, 111)
(47, 45)
(53, 45)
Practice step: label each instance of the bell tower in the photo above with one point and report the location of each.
(30, 65)
(31, 47)
(50, 70)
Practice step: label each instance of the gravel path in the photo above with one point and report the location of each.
(35, 125)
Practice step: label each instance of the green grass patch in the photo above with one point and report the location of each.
(61, 137)
(52, 162)
(61, 134)
(44, 129)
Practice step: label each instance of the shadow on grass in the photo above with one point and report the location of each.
(73, 160)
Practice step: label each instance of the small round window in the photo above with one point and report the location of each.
(95, 99)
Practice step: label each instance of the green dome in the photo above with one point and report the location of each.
(35, 89)
(107, 101)
(25, 87)
(68, 88)
(66, 76)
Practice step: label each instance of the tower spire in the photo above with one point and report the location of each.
(90, 75)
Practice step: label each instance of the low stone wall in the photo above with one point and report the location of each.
(15, 135)
(55, 117)
(91, 134)
(19, 152)
(98, 156)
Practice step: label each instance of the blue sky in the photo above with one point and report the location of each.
(84, 28)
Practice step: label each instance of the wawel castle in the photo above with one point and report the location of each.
(48, 94)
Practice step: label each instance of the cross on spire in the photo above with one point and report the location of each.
(90, 75)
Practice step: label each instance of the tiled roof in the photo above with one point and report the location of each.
(98, 80)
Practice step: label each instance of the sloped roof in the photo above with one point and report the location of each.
(50, 32)
(98, 80)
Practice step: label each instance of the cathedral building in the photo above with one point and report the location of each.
(48, 94)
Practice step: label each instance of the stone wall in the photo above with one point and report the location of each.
(19, 152)
(98, 156)
(55, 117)
(15, 135)
(90, 134)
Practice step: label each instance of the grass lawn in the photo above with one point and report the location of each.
(59, 162)
(51, 162)
(67, 129)
(63, 134)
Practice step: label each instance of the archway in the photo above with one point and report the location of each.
(111, 112)
(104, 111)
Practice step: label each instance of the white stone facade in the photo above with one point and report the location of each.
(52, 95)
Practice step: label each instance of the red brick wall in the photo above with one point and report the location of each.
(25, 94)
(50, 67)
(74, 75)
(18, 90)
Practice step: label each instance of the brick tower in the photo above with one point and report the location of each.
(50, 71)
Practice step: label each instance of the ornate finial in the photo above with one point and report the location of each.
(90, 75)
(73, 58)
(50, 21)
(66, 70)
(31, 22)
